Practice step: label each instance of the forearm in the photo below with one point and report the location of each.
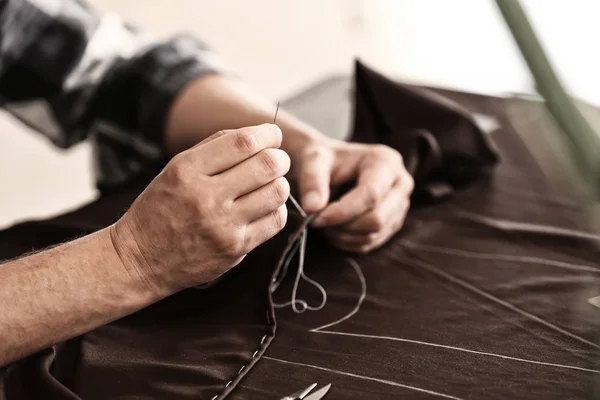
(63, 292)
(215, 102)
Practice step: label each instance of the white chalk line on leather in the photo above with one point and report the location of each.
(483, 353)
(503, 303)
(363, 295)
(500, 257)
(368, 378)
(531, 227)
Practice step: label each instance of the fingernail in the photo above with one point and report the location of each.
(311, 201)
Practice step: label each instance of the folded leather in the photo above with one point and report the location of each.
(439, 140)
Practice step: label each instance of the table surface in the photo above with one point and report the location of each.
(491, 294)
(415, 337)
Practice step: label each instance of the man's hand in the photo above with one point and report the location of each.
(373, 210)
(207, 209)
(363, 219)
(200, 216)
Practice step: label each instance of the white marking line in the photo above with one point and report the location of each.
(368, 378)
(364, 294)
(363, 283)
(501, 257)
(459, 349)
(475, 289)
(530, 227)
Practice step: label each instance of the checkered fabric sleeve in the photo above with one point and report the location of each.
(71, 73)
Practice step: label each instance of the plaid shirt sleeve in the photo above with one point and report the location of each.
(71, 74)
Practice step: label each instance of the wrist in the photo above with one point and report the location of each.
(131, 264)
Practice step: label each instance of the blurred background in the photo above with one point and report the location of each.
(284, 46)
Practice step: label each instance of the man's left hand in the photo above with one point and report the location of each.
(373, 210)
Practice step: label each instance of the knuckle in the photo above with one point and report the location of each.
(268, 160)
(309, 177)
(280, 190)
(376, 223)
(274, 161)
(178, 170)
(245, 141)
(372, 196)
(280, 217)
(387, 153)
(383, 150)
(371, 238)
(207, 202)
(232, 244)
(315, 152)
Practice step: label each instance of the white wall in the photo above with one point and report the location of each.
(460, 43)
(466, 44)
(278, 45)
(570, 32)
(281, 46)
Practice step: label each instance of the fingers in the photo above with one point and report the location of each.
(392, 209)
(265, 228)
(374, 228)
(361, 243)
(225, 149)
(254, 173)
(262, 201)
(374, 182)
(314, 178)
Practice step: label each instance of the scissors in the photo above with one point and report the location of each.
(304, 394)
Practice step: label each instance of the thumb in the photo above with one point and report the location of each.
(314, 178)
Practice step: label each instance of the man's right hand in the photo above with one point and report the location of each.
(206, 210)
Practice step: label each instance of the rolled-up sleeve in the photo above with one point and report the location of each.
(72, 73)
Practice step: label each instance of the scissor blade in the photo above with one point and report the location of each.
(306, 391)
(301, 394)
(318, 395)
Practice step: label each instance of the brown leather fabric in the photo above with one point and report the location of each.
(439, 140)
(480, 297)
(191, 345)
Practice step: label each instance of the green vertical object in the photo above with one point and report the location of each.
(581, 139)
